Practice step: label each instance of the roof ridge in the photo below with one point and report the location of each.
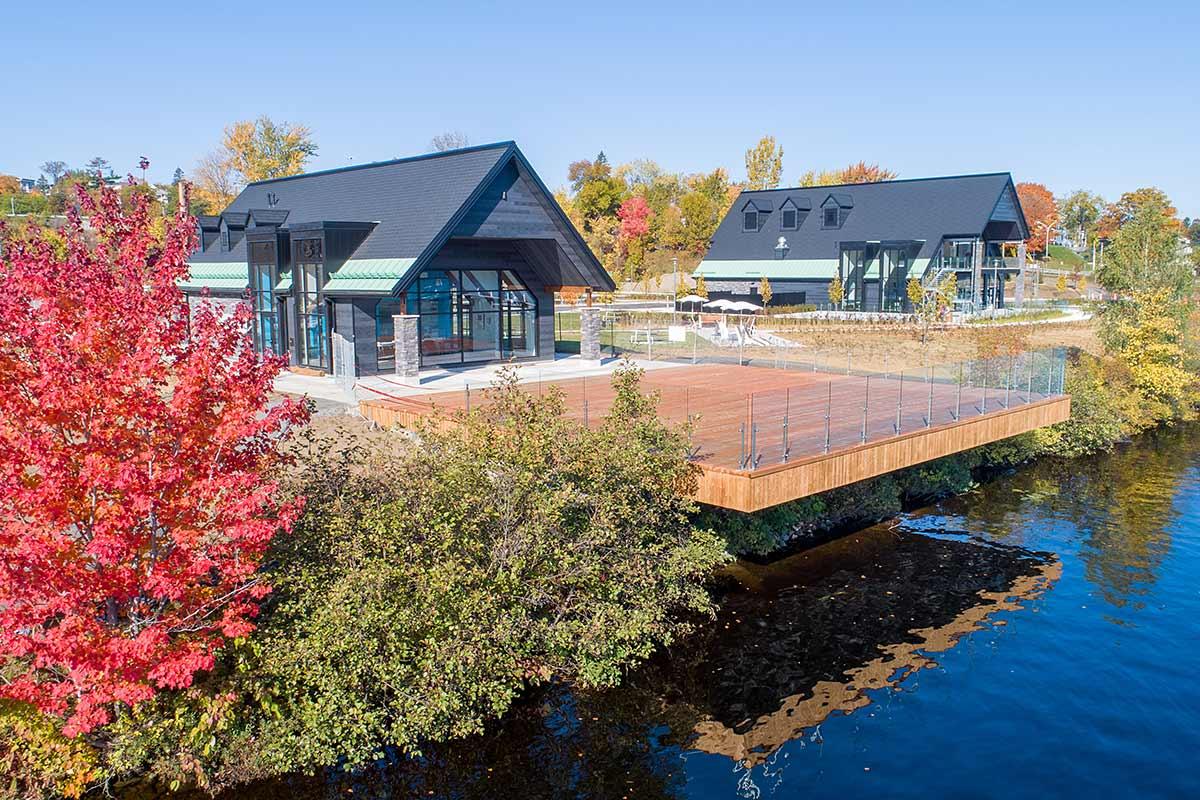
(389, 162)
(876, 183)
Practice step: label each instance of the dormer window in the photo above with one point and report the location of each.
(750, 220)
(835, 209)
(787, 220)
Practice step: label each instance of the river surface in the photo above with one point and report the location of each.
(1037, 637)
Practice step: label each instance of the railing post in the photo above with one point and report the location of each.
(1049, 375)
(649, 340)
(958, 397)
(983, 404)
(1029, 385)
(754, 454)
(828, 410)
(866, 407)
(742, 449)
(1008, 383)
(900, 404)
(929, 414)
(847, 362)
(467, 390)
(787, 408)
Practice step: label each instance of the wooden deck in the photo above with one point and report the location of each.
(764, 436)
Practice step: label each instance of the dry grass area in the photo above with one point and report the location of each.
(895, 347)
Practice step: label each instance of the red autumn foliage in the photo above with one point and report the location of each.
(1039, 206)
(136, 458)
(635, 215)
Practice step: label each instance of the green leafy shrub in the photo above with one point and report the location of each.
(429, 583)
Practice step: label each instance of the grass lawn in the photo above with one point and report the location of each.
(1024, 316)
(1065, 258)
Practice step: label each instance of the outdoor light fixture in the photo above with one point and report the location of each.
(781, 247)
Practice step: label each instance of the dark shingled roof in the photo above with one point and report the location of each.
(410, 198)
(413, 202)
(921, 209)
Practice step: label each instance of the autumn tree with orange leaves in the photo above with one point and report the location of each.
(1041, 212)
(862, 172)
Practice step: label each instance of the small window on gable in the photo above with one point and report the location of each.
(787, 219)
(831, 219)
(750, 221)
(225, 240)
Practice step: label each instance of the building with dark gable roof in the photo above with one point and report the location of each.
(875, 236)
(469, 244)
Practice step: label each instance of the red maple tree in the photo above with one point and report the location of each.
(137, 452)
(635, 216)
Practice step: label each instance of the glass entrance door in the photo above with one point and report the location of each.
(853, 264)
(894, 279)
(470, 316)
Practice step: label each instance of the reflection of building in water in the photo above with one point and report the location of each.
(858, 615)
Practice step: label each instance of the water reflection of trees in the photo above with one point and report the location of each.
(831, 624)
(1120, 507)
(813, 636)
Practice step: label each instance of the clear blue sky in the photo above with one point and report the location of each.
(1091, 95)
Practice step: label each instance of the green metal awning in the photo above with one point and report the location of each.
(217, 276)
(371, 275)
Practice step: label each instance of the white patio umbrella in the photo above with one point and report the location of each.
(691, 298)
(744, 305)
(720, 305)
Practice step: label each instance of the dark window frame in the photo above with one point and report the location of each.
(311, 309)
(783, 219)
(837, 217)
(516, 311)
(264, 275)
(748, 228)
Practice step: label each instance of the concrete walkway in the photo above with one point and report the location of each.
(329, 394)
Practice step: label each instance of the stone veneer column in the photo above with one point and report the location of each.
(1019, 292)
(408, 345)
(589, 334)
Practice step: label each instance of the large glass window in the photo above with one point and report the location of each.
(313, 330)
(894, 278)
(267, 334)
(853, 265)
(473, 315)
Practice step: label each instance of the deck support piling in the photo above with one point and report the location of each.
(899, 404)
